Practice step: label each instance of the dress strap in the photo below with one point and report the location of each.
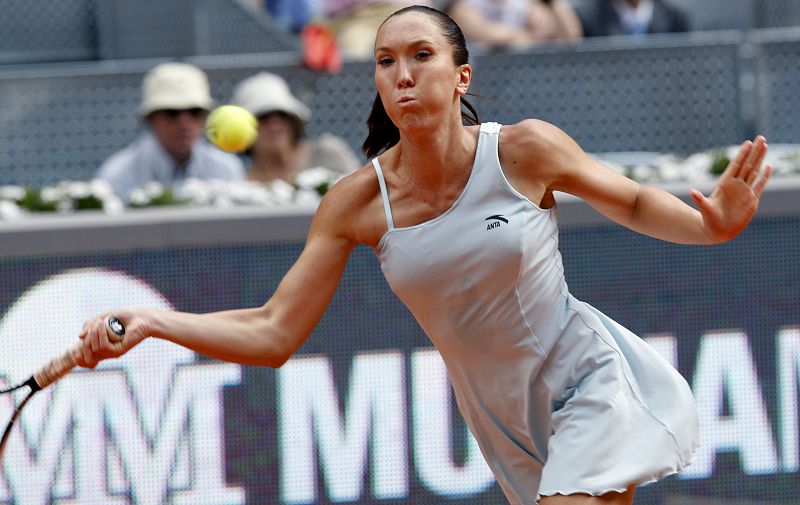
(387, 209)
(491, 128)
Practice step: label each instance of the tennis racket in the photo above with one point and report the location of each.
(50, 373)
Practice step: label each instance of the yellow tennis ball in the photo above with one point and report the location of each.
(231, 128)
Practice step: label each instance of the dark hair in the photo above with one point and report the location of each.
(383, 134)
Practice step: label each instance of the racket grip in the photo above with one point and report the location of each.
(58, 367)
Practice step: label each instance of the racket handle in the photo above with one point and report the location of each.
(60, 366)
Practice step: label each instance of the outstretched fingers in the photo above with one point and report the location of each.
(735, 166)
(762, 182)
(703, 203)
(750, 168)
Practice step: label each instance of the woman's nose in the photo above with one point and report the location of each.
(404, 78)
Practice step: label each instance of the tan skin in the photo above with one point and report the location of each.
(420, 87)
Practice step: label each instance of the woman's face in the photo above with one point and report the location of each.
(416, 77)
(275, 134)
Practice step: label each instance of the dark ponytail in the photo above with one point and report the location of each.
(383, 134)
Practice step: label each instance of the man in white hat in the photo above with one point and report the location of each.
(175, 102)
(282, 150)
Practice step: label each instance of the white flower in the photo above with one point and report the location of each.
(138, 197)
(153, 189)
(312, 178)
(9, 210)
(101, 188)
(244, 193)
(50, 194)
(224, 201)
(262, 194)
(281, 191)
(77, 189)
(697, 167)
(256, 194)
(785, 159)
(306, 197)
(228, 193)
(731, 151)
(12, 192)
(113, 205)
(643, 172)
(195, 191)
(782, 166)
(671, 168)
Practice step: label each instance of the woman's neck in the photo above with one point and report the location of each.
(431, 158)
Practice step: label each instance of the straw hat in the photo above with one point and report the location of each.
(265, 92)
(175, 86)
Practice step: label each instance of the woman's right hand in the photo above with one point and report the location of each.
(269, 334)
(101, 342)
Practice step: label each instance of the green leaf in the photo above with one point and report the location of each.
(164, 199)
(88, 203)
(719, 164)
(32, 201)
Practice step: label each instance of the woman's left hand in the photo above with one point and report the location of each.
(734, 201)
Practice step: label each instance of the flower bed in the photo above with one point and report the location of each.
(68, 197)
(309, 186)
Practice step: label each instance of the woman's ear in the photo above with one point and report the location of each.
(464, 78)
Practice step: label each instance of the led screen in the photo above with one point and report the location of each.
(363, 413)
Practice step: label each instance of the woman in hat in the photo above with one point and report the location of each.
(282, 150)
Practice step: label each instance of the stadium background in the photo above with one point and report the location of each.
(69, 87)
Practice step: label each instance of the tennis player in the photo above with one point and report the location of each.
(568, 407)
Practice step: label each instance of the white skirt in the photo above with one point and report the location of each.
(630, 421)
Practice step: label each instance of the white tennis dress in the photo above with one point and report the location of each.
(560, 398)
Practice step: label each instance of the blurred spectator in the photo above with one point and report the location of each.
(356, 22)
(295, 14)
(175, 102)
(631, 17)
(320, 49)
(503, 23)
(282, 150)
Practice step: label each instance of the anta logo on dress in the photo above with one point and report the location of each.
(495, 221)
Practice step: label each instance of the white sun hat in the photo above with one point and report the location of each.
(265, 92)
(175, 86)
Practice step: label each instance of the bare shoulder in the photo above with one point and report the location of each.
(533, 139)
(535, 155)
(352, 207)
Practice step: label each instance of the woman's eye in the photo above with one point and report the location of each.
(423, 54)
(384, 61)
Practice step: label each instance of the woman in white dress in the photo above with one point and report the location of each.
(567, 406)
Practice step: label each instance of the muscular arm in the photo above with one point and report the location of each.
(266, 335)
(555, 162)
